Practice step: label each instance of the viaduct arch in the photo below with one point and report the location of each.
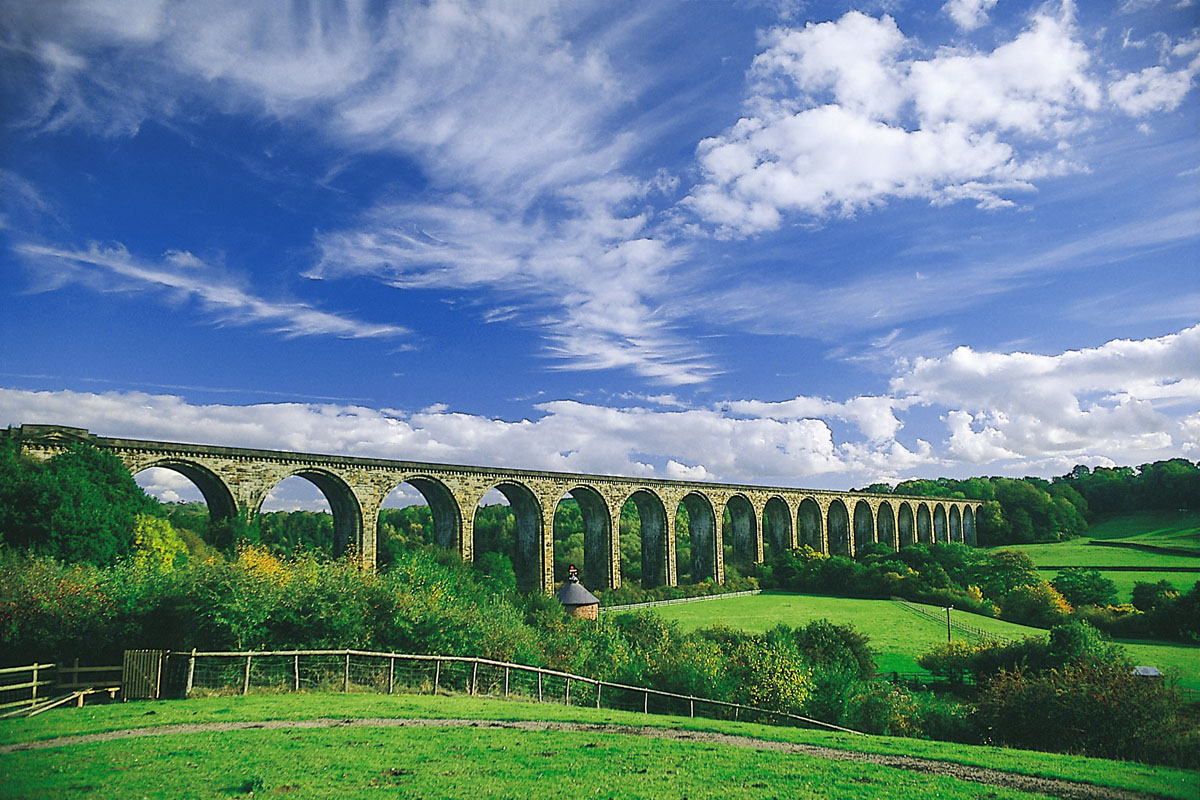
(234, 481)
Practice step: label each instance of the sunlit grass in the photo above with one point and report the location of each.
(488, 762)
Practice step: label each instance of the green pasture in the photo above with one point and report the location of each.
(1177, 529)
(897, 636)
(472, 762)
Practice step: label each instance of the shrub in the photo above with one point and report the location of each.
(1099, 710)
(1035, 604)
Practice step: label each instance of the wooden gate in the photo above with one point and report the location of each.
(142, 674)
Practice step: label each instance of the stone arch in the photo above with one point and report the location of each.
(808, 525)
(652, 519)
(217, 495)
(777, 527)
(956, 533)
(444, 513)
(838, 525)
(940, 534)
(343, 504)
(597, 535)
(969, 535)
(864, 525)
(702, 527)
(906, 528)
(885, 525)
(924, 524)
(742, 528)
(529, 560)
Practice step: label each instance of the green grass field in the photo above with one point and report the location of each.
(897, 636)
(1179, 530)
(473, 762)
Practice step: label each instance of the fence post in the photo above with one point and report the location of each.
(597, 695)
(474, 677)
(191, 678)
(539, 687)
(296, 672)
(346, 674)
(645, 702)
(691, 707)
(246, 679)
(33, 691)
(437, 674)
(568, 694)
(506, 669)
(391, 675)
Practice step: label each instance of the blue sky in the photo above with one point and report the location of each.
(813, 244)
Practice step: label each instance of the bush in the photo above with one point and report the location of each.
(1101, 710)
(1037, 604)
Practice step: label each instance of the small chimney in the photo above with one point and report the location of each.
(576, 599)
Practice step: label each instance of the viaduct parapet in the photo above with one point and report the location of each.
(235, 481)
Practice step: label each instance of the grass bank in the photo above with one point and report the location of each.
(499, 763)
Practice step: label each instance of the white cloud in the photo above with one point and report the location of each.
(843, 119)
(875, 417)
(185, 277)
(1129, 401)
(969, 14)
(1124, 402)
(594, 280)
(1152, 89)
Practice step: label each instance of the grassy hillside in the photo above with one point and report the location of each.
(471, 762)
(897, 635)
(1177, 530)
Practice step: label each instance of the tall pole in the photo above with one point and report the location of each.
(948, 623)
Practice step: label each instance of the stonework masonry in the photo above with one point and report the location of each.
(234, 481)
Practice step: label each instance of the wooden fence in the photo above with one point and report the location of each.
(361, 670)
(24, 692)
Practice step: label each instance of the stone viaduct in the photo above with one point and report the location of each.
(234, 481)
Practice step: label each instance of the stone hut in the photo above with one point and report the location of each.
(576, 599)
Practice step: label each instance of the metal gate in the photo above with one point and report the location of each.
(142, 674)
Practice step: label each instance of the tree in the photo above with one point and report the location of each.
(1085, 587)
(80, 506)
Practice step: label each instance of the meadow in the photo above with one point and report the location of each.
(897, 636)
(1176, 530)
(495, 762)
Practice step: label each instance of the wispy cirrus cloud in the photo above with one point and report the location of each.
(182, 276)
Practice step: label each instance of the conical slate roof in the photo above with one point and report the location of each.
(573, 593)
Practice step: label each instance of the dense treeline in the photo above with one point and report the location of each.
(1163, 485)
(1019, 511)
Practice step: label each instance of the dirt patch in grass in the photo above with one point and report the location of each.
(1055, 787)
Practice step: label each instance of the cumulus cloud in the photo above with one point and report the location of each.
(843, 117)
(1128, 401)
(1150, 90)
(969, 14)
(185, 277)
